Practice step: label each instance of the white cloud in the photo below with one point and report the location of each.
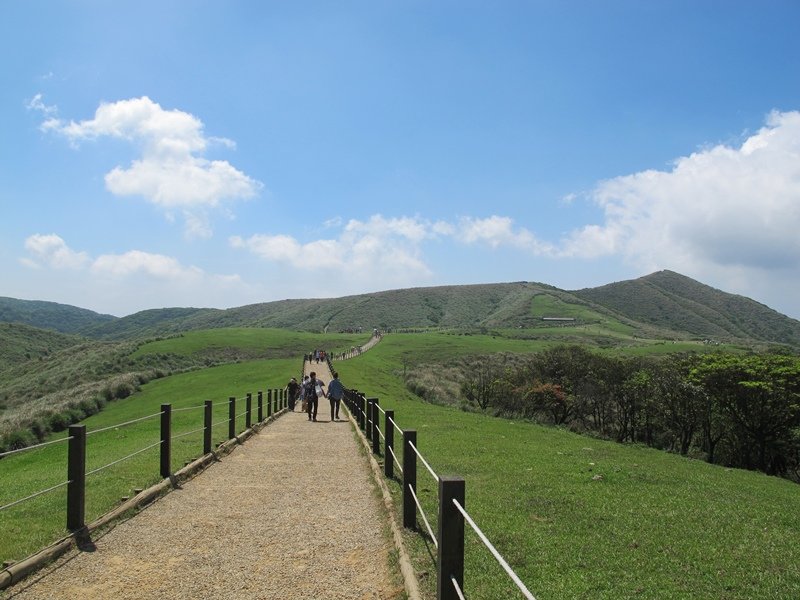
(135, 266)
(51, 251)
(383, 252)
(170, 173)
(135, 262)
(185, 182)
(496, 231)
(725, 214)
(37, 103)
(373, 254)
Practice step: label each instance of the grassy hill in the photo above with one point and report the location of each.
(49, 380)
(49, 315)
(22, 343)
(672, 301)
(664, 305)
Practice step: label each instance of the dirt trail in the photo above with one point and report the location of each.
(290, 514)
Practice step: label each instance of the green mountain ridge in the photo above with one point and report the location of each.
(673, 301)
(660, 305)
(50, 315)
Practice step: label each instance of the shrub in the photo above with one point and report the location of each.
(59, 421)
(17, 439)
(87, 407)
(39, 428)
(123, 390)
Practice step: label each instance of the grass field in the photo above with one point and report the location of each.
(34, 524)
(654, 525)
(268, 343)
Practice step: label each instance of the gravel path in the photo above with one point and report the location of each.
(290, 514)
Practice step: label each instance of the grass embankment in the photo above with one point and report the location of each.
(583, 518)
(36, 523)
(30, 526)
(250, 343)
(47, 387)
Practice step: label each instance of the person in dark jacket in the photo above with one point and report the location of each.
(335, 395)
(313, 388)
(292, 390)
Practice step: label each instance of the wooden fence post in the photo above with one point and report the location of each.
(231, 417)
(249, 408)
(269, 403)
(207, 424)
(166, 440)
(275, 402)
(450, 560)
(260, 406)
(376, 421)
(388, 460)
(368, 429)
(76, 475)
(362, 406)
(409, 478)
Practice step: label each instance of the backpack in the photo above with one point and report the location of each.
(308, 388)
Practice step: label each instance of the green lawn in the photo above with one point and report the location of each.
(653, 525)
(273, 343)
(36, 523)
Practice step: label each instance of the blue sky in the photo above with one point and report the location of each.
(224, 153)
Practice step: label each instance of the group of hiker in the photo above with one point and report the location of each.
(318, 356)
(309, 392)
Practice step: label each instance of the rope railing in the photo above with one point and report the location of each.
(449, 540)
(77, 437)
(193, 431)
(116, 462)
(132, 421)
(457, 588)
(396, 426)
(396, 462)
(424, 518)
(424, 462)
(495, 553)
(18, 450)
(187, 408)
(32, 496)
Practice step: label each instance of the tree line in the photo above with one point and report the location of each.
(735, 410)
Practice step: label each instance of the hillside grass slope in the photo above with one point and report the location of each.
(662, 305)
(49, 315)
(672, 301)
(578, 517)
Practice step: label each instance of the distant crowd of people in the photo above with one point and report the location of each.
(318, 356)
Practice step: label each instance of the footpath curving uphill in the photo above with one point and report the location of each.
(290, 514)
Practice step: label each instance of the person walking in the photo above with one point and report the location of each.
(303, 403)
(335, 395)
(292, 390)
(314, 388)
